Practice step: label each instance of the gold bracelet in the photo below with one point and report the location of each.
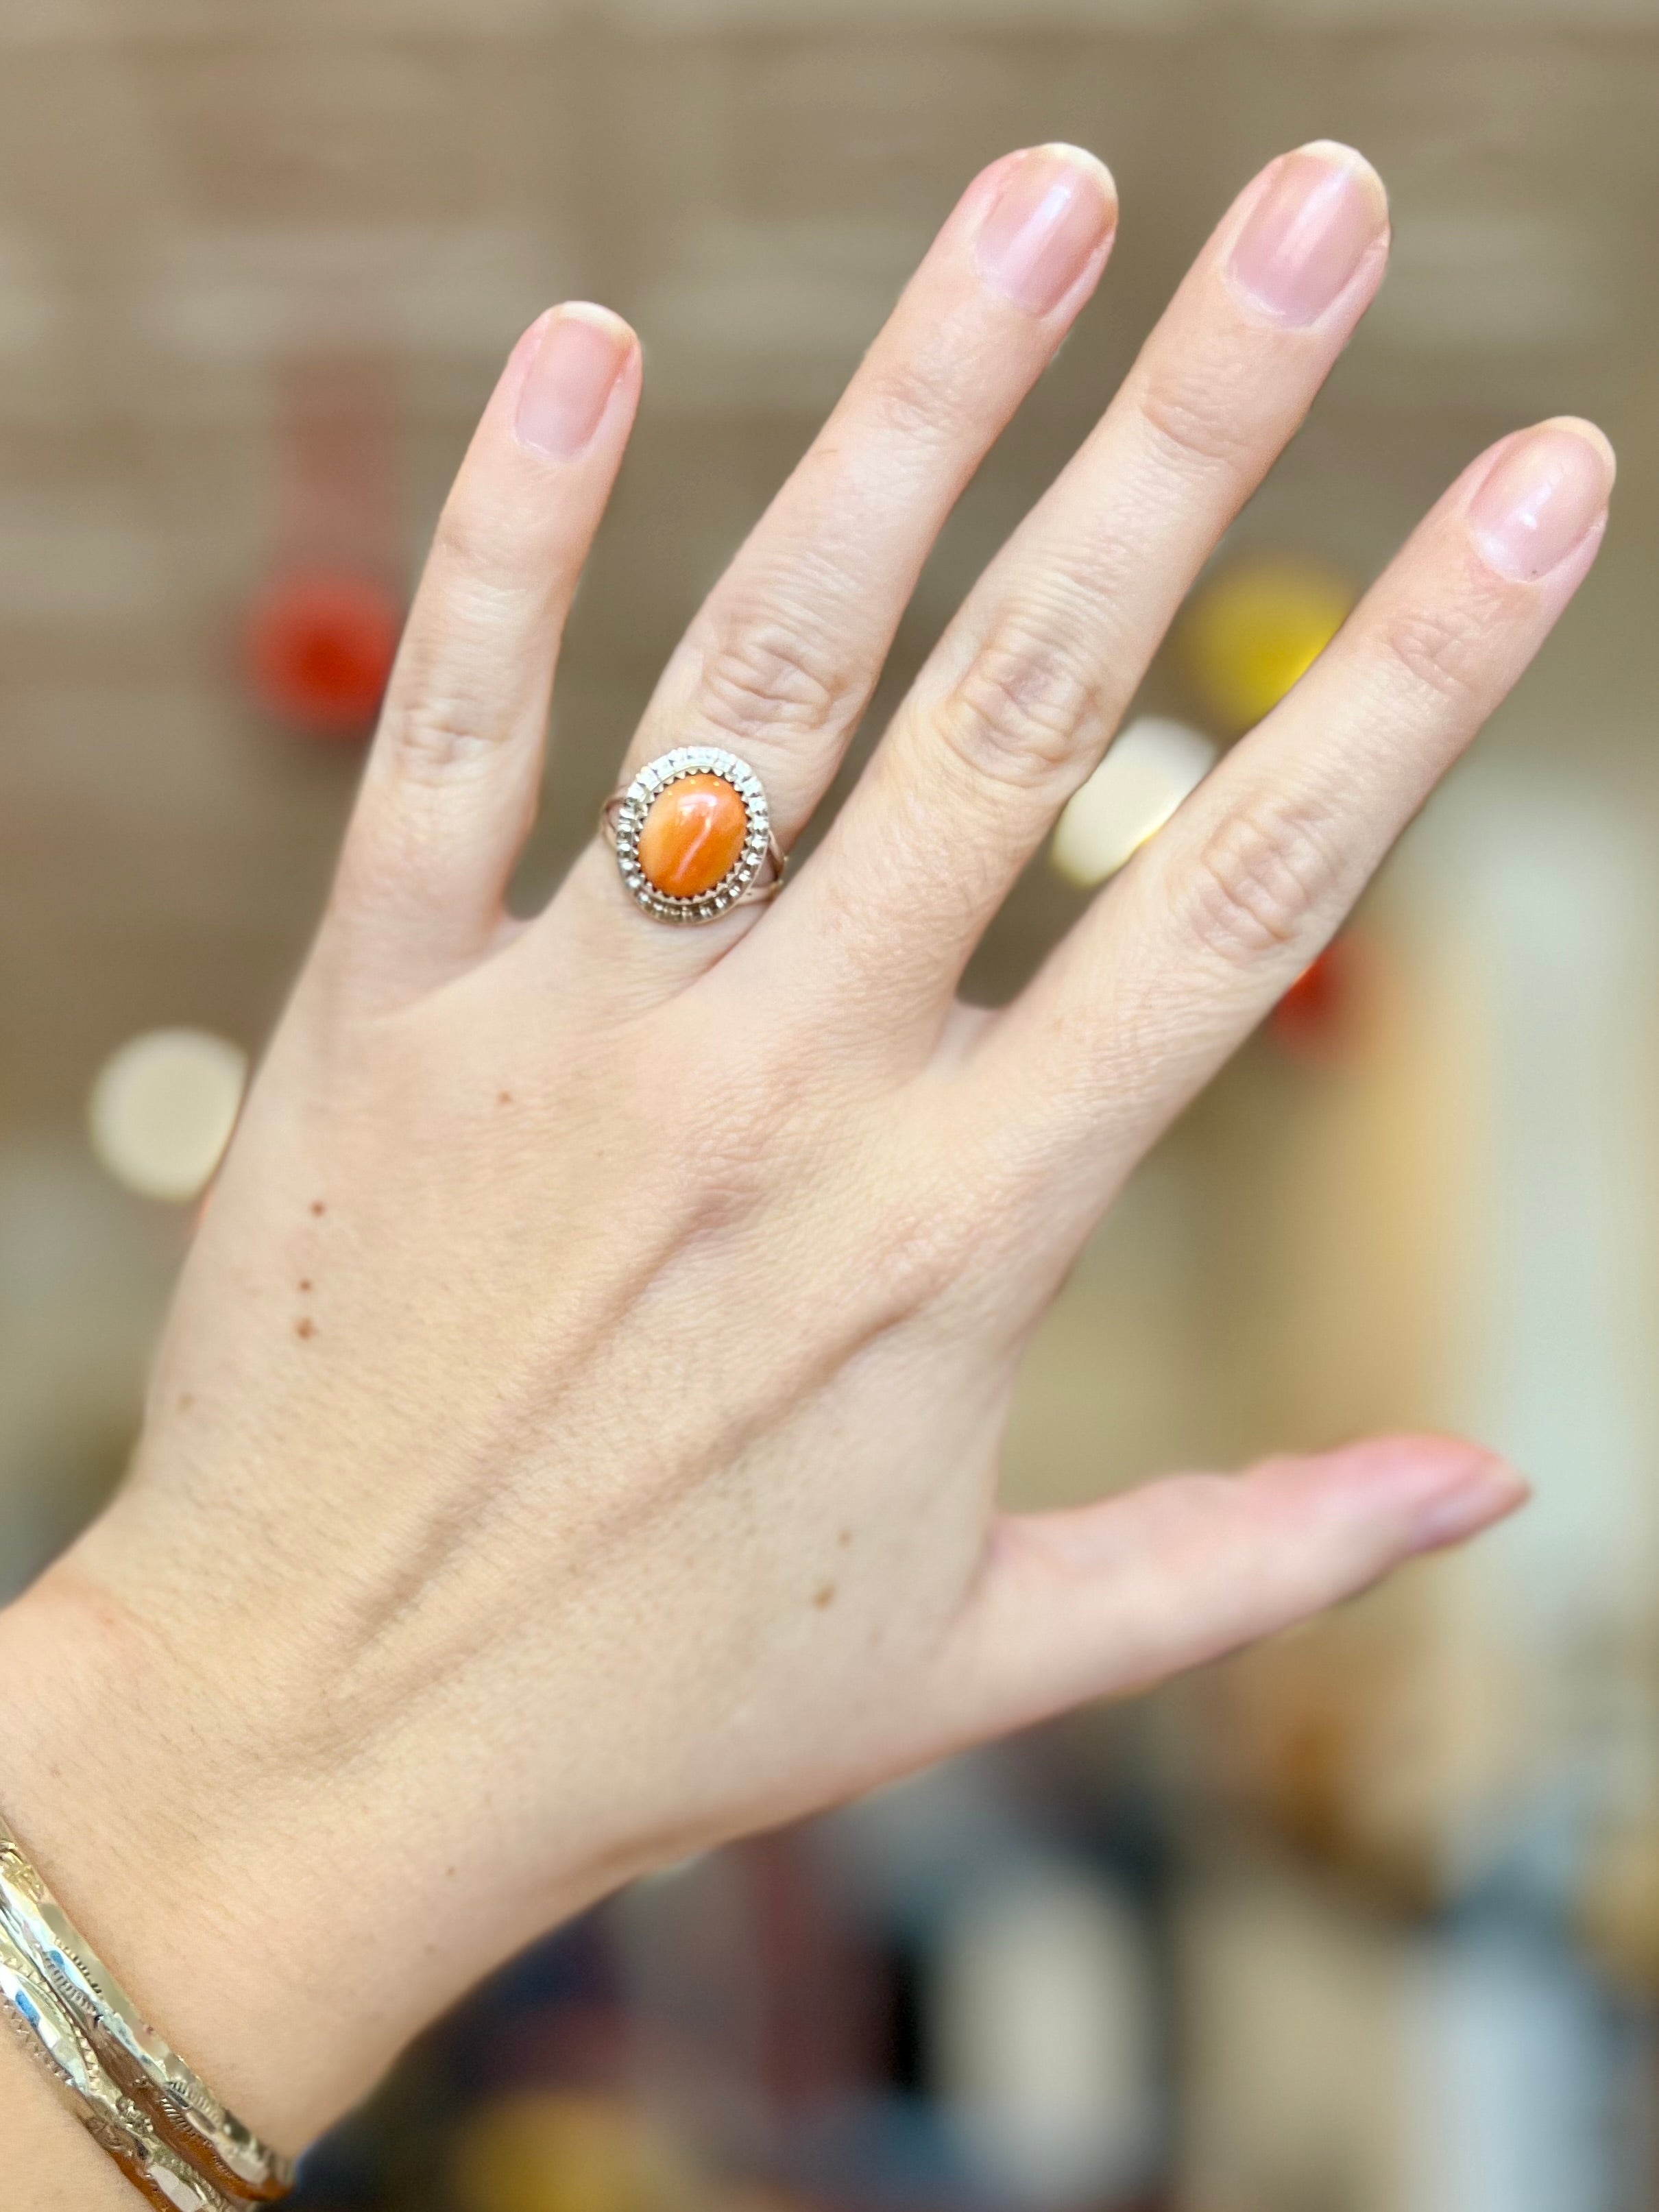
(154, 2115)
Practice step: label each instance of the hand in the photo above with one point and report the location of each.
(576, 1437)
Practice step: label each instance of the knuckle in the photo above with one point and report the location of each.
(770, 676)
(433, 740)
(920, 398)
(1197, 422)
(459, 541)
(493, 550)
(1261, 881)
(1023, 710)
(914, 1258)
(467, 555)
(1436, 652)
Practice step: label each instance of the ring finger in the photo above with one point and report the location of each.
(780, 664)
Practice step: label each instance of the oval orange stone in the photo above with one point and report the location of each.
(692, 835)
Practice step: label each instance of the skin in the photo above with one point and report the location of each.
(575, 1440)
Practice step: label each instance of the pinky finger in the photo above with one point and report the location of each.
(1182, 956)
(1112, 1597)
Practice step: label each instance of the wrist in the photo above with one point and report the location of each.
(148, 1816)
(287, 1906)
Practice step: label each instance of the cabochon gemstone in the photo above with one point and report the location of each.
(691, 838)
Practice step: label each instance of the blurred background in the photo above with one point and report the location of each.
(1365, 1921)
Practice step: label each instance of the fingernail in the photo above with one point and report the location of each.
(1457, 1495)
(1546, 490)
(1322, 211)
(570, 381)
(1057, 208)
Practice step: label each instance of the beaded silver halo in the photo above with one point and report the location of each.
(624, 818)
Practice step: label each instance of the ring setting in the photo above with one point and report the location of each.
(693, 836)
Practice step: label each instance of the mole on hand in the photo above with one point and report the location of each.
(305, 1326)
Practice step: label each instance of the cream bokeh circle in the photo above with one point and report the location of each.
(1149, 769)
(163, 1109)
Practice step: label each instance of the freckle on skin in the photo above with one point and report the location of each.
(305, 1326)
(505, 1098)
(305, 1283)
(846, 1536)
(187, 1400)
(824, 1596)
(318, 1206)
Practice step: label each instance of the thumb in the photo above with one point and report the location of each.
(1111, 1597)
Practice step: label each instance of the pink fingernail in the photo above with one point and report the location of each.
(1454, 1492)
(564, 395)
(1546, 490)
(1308, 234)
(1058, 206)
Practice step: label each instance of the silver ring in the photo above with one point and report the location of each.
(686, 836)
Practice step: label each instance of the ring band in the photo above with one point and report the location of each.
(693, 836)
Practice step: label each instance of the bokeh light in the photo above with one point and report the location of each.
(1150, 767)
(320, 647)
(1255, 630)
(163, 1109)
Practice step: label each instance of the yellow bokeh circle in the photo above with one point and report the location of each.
(1255, 630)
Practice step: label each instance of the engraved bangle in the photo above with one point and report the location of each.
(142, 2068)
(46, 2027)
